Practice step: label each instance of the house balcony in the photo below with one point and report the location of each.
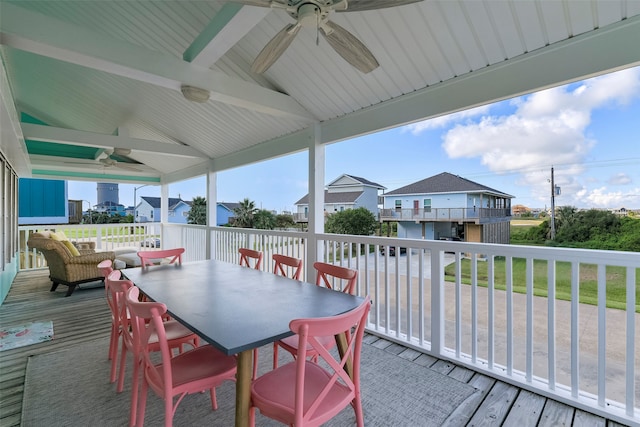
(474, 215)
(507, 319)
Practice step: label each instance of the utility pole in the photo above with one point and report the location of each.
(553, 207)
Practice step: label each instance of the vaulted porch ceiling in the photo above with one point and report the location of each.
(96, 76)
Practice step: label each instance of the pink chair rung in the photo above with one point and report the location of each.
(151, 257)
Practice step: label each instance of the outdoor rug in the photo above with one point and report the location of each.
(71, 388)
(26, 334)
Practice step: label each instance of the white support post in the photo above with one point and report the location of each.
(164, 211)
(212, 212)
(316, 198)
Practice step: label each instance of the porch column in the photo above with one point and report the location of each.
(164, 210)
(212, 211)
(316, 199)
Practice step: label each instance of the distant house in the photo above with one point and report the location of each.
(148, 210)
(225, 212)
(110, 208)
(448, 206)
(344, 192)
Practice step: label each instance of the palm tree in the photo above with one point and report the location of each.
(244, 214)
(198, 211)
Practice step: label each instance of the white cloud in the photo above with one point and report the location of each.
(443, 121)
(620, 179)
(602, 198)
(548, 128)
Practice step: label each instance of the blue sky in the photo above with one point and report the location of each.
(588, 131)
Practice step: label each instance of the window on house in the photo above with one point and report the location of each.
(151, 215)
(427, 205)
(398, 205)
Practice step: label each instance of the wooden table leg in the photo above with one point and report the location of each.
(243, 387)
(341, 342)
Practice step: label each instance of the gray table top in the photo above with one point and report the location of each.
(236, 308)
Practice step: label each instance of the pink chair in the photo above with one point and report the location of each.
(248, 254)
(176, 334)
(326, 274)
(152, 257)
(106, 267)
(191, 372)
(306, 393)
(282, 264)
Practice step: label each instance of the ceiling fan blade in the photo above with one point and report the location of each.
(125, 167)
(275, 48)
(361, 5)
(349, 47)
(259, 3)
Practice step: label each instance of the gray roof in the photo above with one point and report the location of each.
(343, 197)
(230, 206)
(365, 181)
(445, 183)
(154, 202)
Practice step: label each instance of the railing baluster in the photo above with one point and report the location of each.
(630, 344)
(602, 333)
(421, 310)
(551, 323)
(474, 307)
(509, 290)
(458, 291)
(529, 335)
(490, 310)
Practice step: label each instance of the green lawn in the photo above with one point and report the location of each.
(616, 280)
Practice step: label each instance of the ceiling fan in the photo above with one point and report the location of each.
(109, 157)
(315, 13)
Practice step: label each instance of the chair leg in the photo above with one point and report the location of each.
(275, 355)
(70, 290)
(214, 400)
(142, 403)
(123, 362)
(113, 353)
(135, 380)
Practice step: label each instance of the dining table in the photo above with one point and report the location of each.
(237, 309)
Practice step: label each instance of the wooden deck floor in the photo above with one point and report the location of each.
(84, 316)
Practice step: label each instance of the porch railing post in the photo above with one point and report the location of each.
(437, 301)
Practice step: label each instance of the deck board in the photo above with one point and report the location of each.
(84, 316)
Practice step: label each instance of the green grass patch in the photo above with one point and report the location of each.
(588, 290)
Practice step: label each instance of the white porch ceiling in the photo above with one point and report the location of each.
(107, 74)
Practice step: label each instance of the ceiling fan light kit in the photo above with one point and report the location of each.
(195, 94)
(315, 13)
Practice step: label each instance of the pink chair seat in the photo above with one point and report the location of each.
(277, 402)
(209, 362)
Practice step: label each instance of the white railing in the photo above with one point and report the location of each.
(107, 237)
(583, 355)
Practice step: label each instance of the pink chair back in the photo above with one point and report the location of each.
(310, 332)
(282, 263)
(149, 257)
(248, 254)
(328, 273)
(105, 267)
(146, 322)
